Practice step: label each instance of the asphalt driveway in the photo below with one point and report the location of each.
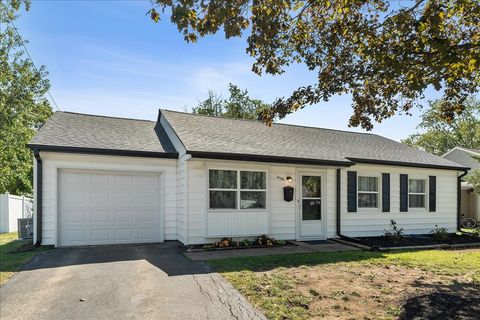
(121, 282)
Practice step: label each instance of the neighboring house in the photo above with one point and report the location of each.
(195, 178)
(470, 201)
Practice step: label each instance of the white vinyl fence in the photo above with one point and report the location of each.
(12, 208)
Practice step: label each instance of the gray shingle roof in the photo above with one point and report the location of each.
(207, 134)
(73, 130)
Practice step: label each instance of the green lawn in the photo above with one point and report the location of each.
(11, 262)
(325, 285)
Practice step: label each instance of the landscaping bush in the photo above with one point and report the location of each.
(439, 234)
(396, 234)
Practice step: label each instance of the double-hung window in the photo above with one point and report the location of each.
(416, 193)
(237, 189)
(368, 195)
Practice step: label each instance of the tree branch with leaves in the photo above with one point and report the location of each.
(23, 105)
(438, 135)
(381, 52)
(238, 105)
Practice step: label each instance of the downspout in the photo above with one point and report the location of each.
(39, 194)
(339, 198)
(459, 198)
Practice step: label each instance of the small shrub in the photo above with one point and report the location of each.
(263, 240)
(396, 234)
(439, 234)
(280, 242)
(225, 243)
(245, 243)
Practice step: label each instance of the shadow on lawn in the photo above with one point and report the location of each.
(266, 263)
(455, 301)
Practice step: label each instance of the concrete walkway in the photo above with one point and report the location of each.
(121, 282)
(299, 247)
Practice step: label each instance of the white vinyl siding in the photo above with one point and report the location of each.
(187, 217)
(181, 197)
(374, 222)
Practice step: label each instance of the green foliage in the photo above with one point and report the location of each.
(10, 263)
(473, 178)
(246, 243)
(239, 105)
(396, 234)
(438, 135)
(439, 233)
(383, 53)
(23, 106)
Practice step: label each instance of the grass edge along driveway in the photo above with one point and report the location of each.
(280, 287)
(10, 263)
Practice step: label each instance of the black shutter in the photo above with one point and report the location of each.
(386, 192)
(403, 192)
(432, 193)
(352, 191)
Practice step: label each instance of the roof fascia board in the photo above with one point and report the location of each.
(263, 158)
(407, 164)
(99, 151)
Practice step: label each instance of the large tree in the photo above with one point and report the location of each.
(238, 105)
(384, 53)
(437, 135)
(23, 106)
(473, 177)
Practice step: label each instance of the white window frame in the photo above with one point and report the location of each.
(378, 193)
(425, 193)
(238, 190)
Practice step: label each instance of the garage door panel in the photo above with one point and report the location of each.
(125, 235)
(150, 182)
(147, 234)
(102, 235)
(75, 197)
(124, 216)
(146, 216)
(76, 216)
(101, 216)
(100, 197)
(124, 197)
(124, 181)
(73, 236)
(146, 198)
(75, 179)
(100, 181)
(108, 208)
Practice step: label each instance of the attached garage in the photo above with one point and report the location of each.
(108, 207)
(103, 180)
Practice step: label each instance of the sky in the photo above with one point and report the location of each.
(109, 58)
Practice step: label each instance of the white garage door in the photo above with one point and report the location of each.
(108, 208)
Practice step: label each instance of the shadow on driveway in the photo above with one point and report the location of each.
(167, 256)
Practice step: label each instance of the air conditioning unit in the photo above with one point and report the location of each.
(25, 228)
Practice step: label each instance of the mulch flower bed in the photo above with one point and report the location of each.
(229, 244)
(418, 240)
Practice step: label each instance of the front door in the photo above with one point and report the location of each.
(311, 215)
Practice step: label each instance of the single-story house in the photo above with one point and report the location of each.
(470, 200)
(195, 179)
